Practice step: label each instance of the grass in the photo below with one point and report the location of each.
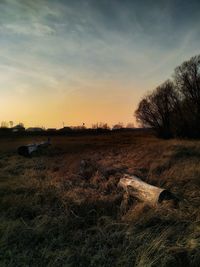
(56, 212)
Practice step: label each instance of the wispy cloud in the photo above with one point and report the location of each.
(32, 29)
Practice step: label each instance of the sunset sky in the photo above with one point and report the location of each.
(89, 61)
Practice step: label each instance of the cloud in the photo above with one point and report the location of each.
(32, 29)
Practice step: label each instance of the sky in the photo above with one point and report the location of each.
(89, 61)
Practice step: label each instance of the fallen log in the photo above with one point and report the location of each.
(147, 193)
(28, 150)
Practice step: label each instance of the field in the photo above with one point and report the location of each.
(62, 207)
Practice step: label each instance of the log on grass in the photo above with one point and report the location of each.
(28, 150)
(147, 193)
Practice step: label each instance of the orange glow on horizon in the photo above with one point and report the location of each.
(52, 109)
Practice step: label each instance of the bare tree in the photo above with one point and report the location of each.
(173, 108)
(118, 126)
(101, 125)
(156, 110)
(187, 80)
(4, 124)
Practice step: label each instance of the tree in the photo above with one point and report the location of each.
(118, 126)
(173, 108)
(157, 109)
(101, 125)
(21, 124)
(187, 80)
(4, 124)
(130, 125)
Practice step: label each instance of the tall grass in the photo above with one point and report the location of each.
(52, 215)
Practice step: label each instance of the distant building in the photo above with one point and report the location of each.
(51, 130)
(34, 129)
(18, 128)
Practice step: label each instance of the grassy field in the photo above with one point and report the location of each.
(63, 207)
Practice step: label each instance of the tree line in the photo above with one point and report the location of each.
(173, 108)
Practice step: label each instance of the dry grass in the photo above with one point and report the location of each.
(55, 212)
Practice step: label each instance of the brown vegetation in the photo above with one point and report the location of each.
(63, 207)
